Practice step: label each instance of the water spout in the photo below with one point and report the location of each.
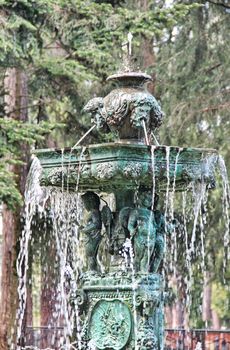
(83, 137)
(145, 132)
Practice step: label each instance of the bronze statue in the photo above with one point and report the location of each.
(142, 229)
(125, 109)
(91, 229)
(160, 237)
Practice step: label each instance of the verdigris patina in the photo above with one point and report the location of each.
(125, 108)
(123, 308)
(90, 229)
(121, 304)
(120, 166)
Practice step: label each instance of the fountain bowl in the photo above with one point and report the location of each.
(113, 166)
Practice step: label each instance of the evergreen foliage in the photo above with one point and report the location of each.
(194, 85)
(69, 47)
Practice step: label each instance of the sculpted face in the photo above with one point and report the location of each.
(91, 200)
(139, 113)
(145, 199)
(123, 111)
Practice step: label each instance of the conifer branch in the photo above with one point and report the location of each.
(219, 4)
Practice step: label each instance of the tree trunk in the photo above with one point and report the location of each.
(206, 302)
(168, 316)
(16, 100)
(215, 320)
(147, 55)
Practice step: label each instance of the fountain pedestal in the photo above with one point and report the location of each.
(122, 311)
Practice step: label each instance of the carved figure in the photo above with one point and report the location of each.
(121, 229)
(91, 229)
(145, 107)
(94, 107)
(162, 229)
(123, 111)
(160, 237)
(142, 229)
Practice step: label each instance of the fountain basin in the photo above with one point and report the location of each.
(113, 166)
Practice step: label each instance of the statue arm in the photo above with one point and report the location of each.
(94, 223)
(132, 223)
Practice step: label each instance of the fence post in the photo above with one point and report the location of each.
(224, 345)
(216, 343)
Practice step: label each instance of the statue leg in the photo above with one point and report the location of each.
(145, 262)
(91, 254)
(159, 253)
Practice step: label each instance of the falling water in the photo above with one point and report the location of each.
(145, 132)
(171, 215)
(167, 155)
(153, 174)
(174, 184)
(203, 219)
(226, 206)
(67, 209)
(83, 137)
(188, 257)
(65, 216)
(35, 201)
(199, 190)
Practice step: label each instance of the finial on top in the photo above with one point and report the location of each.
(130, 37)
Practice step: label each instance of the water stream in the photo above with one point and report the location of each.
(226, 206)
(64, 209)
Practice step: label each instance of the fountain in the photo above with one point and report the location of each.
(105, 197)
(120, 305)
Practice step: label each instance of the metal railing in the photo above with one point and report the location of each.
(175, 339)
(197, 339)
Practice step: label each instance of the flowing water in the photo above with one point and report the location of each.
(226, 204)
(63, 208)
(35, 200)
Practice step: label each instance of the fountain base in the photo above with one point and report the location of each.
(122, 311)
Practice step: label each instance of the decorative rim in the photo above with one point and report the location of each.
(121, 144)
(138, 76)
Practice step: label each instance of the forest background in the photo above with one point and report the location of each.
(56, 54)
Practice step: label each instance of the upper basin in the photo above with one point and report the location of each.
(112, 166)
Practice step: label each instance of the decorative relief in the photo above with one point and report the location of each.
(105, 170)
(146, 337)
(110, 325)
(124, 111)
(133, 169)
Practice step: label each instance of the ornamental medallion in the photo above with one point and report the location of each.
(110, 325)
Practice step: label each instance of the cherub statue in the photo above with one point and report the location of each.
(142, 229)
(158, 253)
(91, 229)
(162, 229)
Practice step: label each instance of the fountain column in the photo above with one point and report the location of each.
(123, 307)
